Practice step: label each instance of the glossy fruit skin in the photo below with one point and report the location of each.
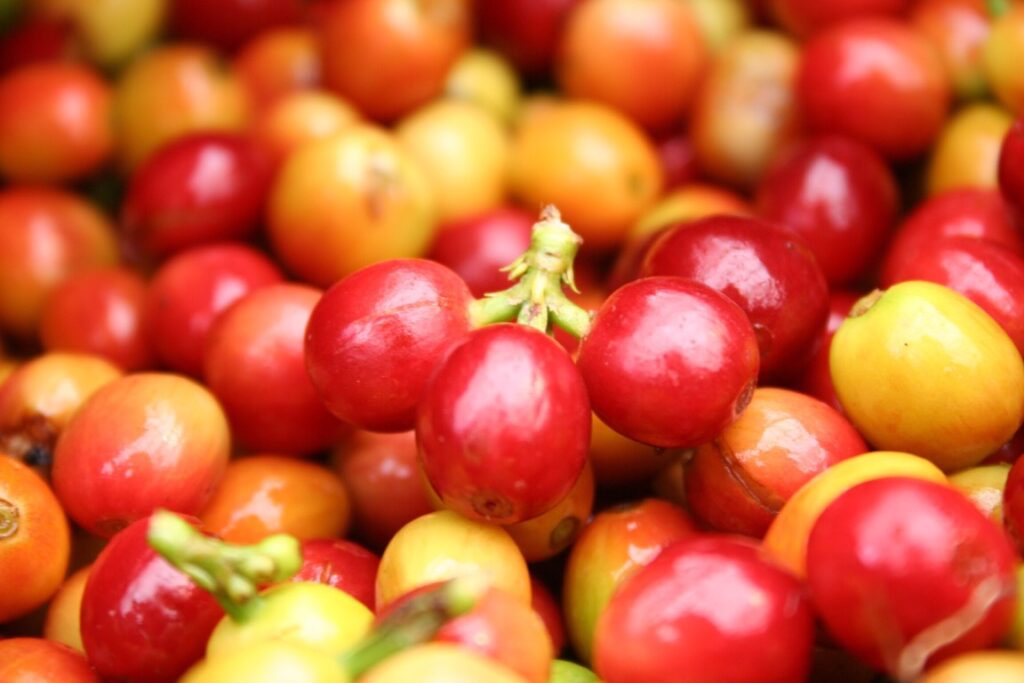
(547, 535)
(375, 338)
(499, 626)
(388, 58)
(170, 91)
(966, 153)
(261, 495)
(298, 117)
(488, 80)
(1011, 166)
(760, 630)
(310, 614)
(925, 361)
(912, 553)
(839, 196)
(191, 288)
(54, 123)
(346, 202)
(877, 81)
(550, 612)
(992, 666)
(527, 32)
(253, 361)
(687, 203)
(740, 480)
(200, 188)
(605, 43)
(278, 62)
(100, 312)
(48, 234)
(969, 212)
(64, 613)
(669, 362)
(1001, 52)
(35, 660)
(598, 167)
(464, 150)
(384, 480)
(167, 449)
(619, 461)
(111, 31)
(772, 275)
(143, 621)
(503, 628)
(340, 564)
(39, 397)
(440, 663)
(986, 273)
(746, 109)
(611, 548)
(504, 425)
(984, 485)
(443, 545)
(816, 380)
(229, 23)
(958, 29)
(478, 247)
(786, 539)
(35, 541)
(268, 663)
(1013, 504)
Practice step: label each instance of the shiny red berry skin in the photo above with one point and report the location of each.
(985, 272)
(254, 363)
(978, 213)
(375, 338)
(1013, 503)
(816, 378)
(669, 361)
(707, 609)
(891, 558)
(1011, 166)
(769, 273)
(143, 621)
(876, 80)
(141, 442)
(478, 247)
(342, 564)
(838, 195)
(504, 427)
(100, 311)
(190, 289)
(201, 188)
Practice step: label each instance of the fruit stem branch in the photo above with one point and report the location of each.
(233, 574)
(537, 298)
(414, 622)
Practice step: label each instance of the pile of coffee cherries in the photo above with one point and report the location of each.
(505, 341)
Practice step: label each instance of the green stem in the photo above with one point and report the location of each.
(537, 299)
(233, 574)
(414, 622)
